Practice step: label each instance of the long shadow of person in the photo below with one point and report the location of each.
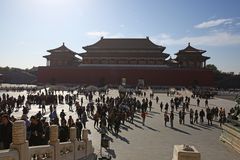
(127, 126)
(138, 126)
(190, 126)
(153, 129)
(111, 152)
(179, 130)
(123, 139)
(124, 127)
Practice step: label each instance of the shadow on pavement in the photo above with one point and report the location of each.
(138, 126)
(137, 121)
(111, 152)
(137, 117)
(203, 126)
(148, 115)
(191, 126)
(124, 127)
(121, 138)
(152, 129)
(154, 112)
(109, 138)
(179, 130)
(127, 126)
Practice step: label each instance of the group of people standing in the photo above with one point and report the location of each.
(214, 113)
(108, 113)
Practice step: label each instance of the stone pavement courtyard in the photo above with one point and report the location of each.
(154, 140)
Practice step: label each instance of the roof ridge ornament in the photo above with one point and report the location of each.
(188, 43)
(63, 44)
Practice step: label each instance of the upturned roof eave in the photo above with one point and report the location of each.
(161, 49)
(62, 47)
(97, 45)
(135, 54)
(46, 56)
(187, 52)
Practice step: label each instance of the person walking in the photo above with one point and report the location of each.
(198, 102)
(157, 99)
(202, 115)
(143, 115)
(183, 116)
(171, 118)
(166, 107)
(79, 129)
(166, 118)
(191, 116)
(150, 105)
(84, 119)
(209, 116)
(180, 116)
(161, 106)
(96, 119)
(196, 117)
(70, 103)
(206, 103)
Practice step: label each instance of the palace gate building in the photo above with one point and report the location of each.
(130, 61)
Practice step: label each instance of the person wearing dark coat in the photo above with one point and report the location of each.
(202, 115)
(1, 140)
(171, 118)
(36, 132)
(84, 119)
(79, 127)
(6, 131)
(46, 134)
(63, 132)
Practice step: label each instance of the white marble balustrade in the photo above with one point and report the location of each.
(71, 150)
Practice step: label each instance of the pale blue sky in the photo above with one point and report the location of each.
(30, 27)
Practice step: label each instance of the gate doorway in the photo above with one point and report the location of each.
(140, 83)
(124, 81)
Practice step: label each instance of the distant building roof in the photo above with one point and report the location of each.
(192, 53)
(124, 43)
(189, 50)
(129, 54)
(61, 49)
(124, 47)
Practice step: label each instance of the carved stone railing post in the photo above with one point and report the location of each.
(73, 139)
(85, 139)
(73, 134)
(85, 135)
(184, 152)
(88, 143)
(54, 141)
(19, 141)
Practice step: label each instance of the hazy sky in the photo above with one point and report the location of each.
(30, 27)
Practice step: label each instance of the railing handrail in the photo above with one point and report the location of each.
(9, 153)
(236, 122)
(71, 150)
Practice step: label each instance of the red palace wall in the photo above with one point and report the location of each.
(113, 75)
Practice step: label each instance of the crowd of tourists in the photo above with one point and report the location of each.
(108, 113)
(195, 116)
